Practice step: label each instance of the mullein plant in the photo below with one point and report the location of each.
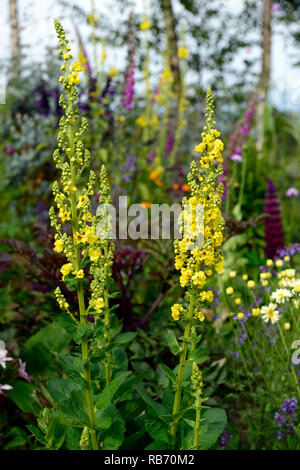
(83, 239)
(198, 265)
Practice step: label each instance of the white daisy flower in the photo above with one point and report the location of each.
(269, 312)
(280, 296)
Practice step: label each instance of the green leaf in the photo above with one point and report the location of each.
(39, 348)
(156, 428)
(67, 323)
(173, 343)
(80, 332)
(105, 418)
(71, 399)
(124, 338)
(199, 356)
(214, 419)
(22, 395)
(127, 385)
(37, 433)
(73, 367)
(114, 436)
(130, 409)
(157, 408)
(106, 395)
(169, 373)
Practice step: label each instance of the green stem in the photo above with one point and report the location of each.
(182, 360)
(197, 424)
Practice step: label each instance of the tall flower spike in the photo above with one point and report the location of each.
(72, 195)
(273, 224)
(197, 265)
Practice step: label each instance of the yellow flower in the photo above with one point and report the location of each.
(199, 316)
(207, 295)
(287, 326)
(81, 202)
(145, 24)
(73, 78)
(64, 215)
(94, 254)
(199, 278)
(237, 301)
(264, 283)
(287, 259)
(98, 304)
(255, 312)
(183, 52)
(279, 263)
(141, 121)
(58, 246)
(176, 310)
(92, 19)
(269, 262)
(66, 269)
(297, 286)
(250, 284)
(245, 277)
(232, 274)
(113, 72)
(77, 67)
(229, 291)
(79, 238)
(90, 235)
(79, 274)
(240, 316)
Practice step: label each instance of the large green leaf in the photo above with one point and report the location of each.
(214, 420)
(106, 395)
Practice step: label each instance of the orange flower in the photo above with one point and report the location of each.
(158, 183)
(153, 175)
(146, 204)
(186, 188)
(175, 186)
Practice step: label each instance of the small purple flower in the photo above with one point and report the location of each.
(22, 372)
(225, 437)
(292, 192)
(236, 158)
(275, 7)
(90, 318)
(9, 149)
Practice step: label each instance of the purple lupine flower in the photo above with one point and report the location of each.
(292, 192)
(22, 372)
(289, 250)
(273, 224)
